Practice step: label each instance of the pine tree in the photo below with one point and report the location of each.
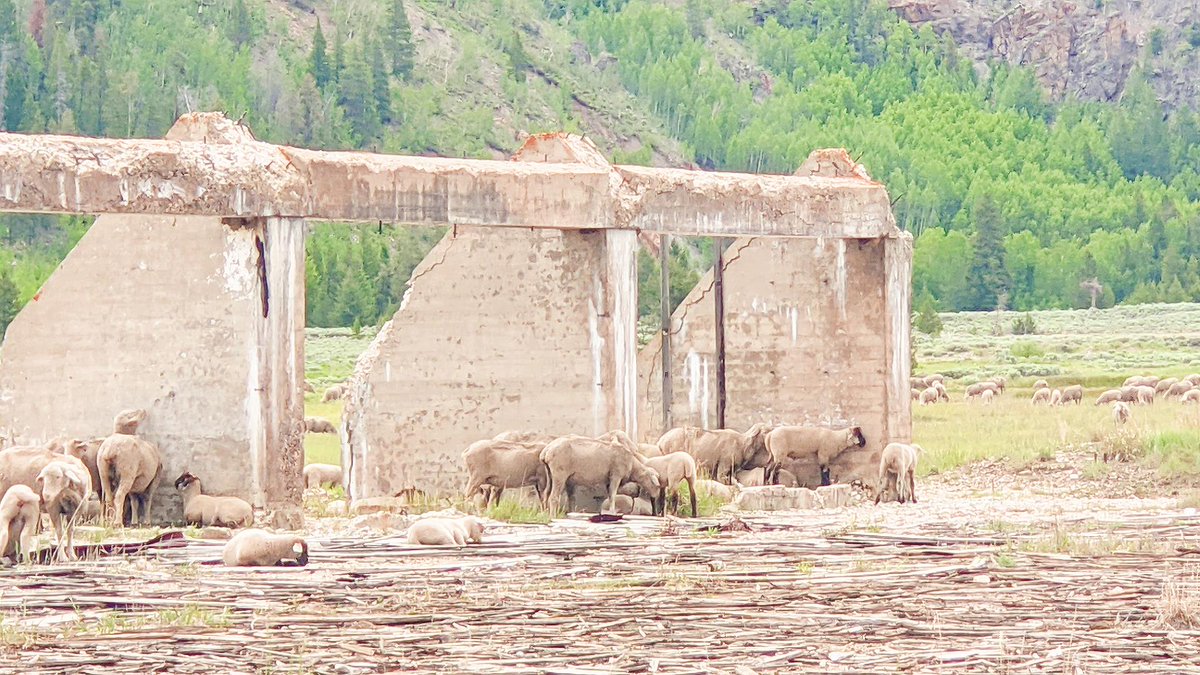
(319, 61)
(357, 97)
(928, 321)
(988, 278)
(10, 298)
(239, 24)
(399, 35)
(381, 85)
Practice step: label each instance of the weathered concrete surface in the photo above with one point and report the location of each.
(196, 176)
(169, 314)
(816, 331)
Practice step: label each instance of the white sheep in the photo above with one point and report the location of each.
(1120, 413)
(672, 469)
(1056, 397)
(205, 510)
(788, 443)
(626, 505)
(929, 396)
(130, 469)
(65, 486)
(715, 489)
(446, 531)
(1041, 384)
(20, 512)
(987, 396)
(1041, 396)
(258, 548)
(897, 472)
(321, 475)
(1191, 396)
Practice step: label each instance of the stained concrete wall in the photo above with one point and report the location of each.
(814, 335)
(199, 322)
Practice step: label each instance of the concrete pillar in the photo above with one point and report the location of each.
(500, 329)
(199, 322)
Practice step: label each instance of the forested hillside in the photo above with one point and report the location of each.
(1010, 196)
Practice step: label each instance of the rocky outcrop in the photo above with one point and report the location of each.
(1084, 49)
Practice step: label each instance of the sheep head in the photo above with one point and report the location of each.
(186, 480)
(127, 421)
(54, 479)
(755, 453)
(300, 550)
(646, 477)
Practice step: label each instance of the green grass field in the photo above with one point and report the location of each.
(1097, 349)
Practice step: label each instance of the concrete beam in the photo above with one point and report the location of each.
(574, 190)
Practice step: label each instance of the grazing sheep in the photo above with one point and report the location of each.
(1056, 397)
(943, 395)
(978, 388)
(1141, 381)
(319, 425)
(1144, 394)
(1120, 412)
(130, 469)
(720, 453)
(936, 377)
(1178, 389)
(673, 468)
(629, 506)
(918, 383)
(65, 486)
(1000, 382)
(1190, 396)
(205, 510)
(1109, 396)
(1194, 378)
(1129, 394)
(916, 394)
(897, 469)
(799, 442)
(494, 466)
(575, 461)
(20, 513)
(322, 475)
(258, 548)
(1041, 384)
(1073, 394)
(1164, 385)
(1041, 396)
(309, 388)
(929, 396)
(334, 393)
(446, 531)
(987, 396)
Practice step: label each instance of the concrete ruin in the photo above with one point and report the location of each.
(523, 317)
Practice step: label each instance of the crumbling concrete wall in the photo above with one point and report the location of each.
(499, 330)
(200, 323)
(809, 340)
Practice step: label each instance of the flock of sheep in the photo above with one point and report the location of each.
(643, 478)
(115, 477)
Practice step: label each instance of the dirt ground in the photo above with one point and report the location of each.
(995, 570)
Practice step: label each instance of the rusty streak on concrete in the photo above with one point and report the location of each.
(62, 174)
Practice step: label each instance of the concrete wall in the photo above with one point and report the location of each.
(813, 335)
(166, 313)
(200, 322)
(499, 330)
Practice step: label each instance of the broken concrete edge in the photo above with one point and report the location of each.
(220, 170)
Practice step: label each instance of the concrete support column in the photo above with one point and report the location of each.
(897, 263)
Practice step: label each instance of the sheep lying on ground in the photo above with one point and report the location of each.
(579, 461)
(1073, 394)
(205, 510)
(1041, 396)
(1120, 412)
(1056, 397)
(65, 486)
(897, 472)
(672, 469)
(258, 548)
(446, 531)
(494, 466)
(1109, 396)
(714, 489)
(319, 425)
(130, 470)
(322, 475)
(720, 453)
(629, 506)
(20, 513)
(789, 443)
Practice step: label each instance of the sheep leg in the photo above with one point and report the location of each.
(475, 485)
(912, 487)
(497, 490)
(554, 499)
(26, 552)
(614, 484)
(120, 496)
(692, 493)
(106, 490)
(56, 522)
